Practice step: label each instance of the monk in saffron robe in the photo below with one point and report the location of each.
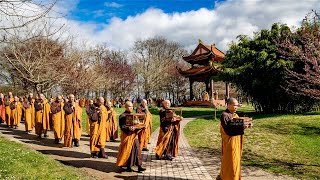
(2, 109)
(8, 110)
(58, 119)
(42, 110)
(28, 120)
(145, 134)
(168, 140)
(111, 125)
(16, 112)
(32, 110)
(232, 141)
(73, 119)
(129, 150)
(98, 115)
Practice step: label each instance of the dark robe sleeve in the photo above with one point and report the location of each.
(164, 124)
(68, 108)
(26, 105)
(38, 105)
(122, 124)
(55, 108)
(12, 106)
(232, 128)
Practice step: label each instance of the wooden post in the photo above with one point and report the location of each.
(211, 88)
(191, 90)
(227, 90)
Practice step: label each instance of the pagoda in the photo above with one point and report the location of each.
(204, 65)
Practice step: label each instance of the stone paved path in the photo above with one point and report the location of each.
(185, 166)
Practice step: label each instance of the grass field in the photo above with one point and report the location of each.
(284, 144)
(19, 162)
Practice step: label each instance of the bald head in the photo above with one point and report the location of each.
(41, 96)
(166, 104)
(1, 96)
(232, 105)
(31, 95)
(144, 103)
(10, 94)
(101, 100)
(129, 106)
(16, 98)
(71, 98)
(59, 99)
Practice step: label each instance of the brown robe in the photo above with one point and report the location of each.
(168, 140)
(129, 150)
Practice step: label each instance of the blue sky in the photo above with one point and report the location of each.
(101, 11)
(119, 23)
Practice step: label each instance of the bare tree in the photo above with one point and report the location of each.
(151, 60)
(15, 14)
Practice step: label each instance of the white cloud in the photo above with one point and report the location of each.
(112, 4)
(220, 25)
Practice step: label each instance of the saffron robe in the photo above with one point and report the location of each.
(231, 150)
(8, 110)
(111, 125)
(129, 150)
(16, 113)
(58, 119)
(98, 131)
(28, 121)
(168, 139)
(2, 111)
(145, 134)
(42, 110)
(73, 119)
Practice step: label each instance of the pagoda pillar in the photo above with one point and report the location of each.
(211, 89)
(207, 87)
(227, 91)
(191, 90)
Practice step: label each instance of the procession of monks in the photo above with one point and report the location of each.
(64, 115)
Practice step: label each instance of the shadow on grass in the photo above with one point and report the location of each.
(277, 166)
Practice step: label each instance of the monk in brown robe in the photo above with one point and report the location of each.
(27, 107)
(98, 115)
(145, 134)
(73, 119)
(7, 103)
(42, 110)
(2, 109)
(16, 112)
(111, 125)
(129, 149)
(58, 119)
(232, 141)
(168, 140)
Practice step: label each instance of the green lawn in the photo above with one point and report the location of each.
(19, 162)
(284, 144)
